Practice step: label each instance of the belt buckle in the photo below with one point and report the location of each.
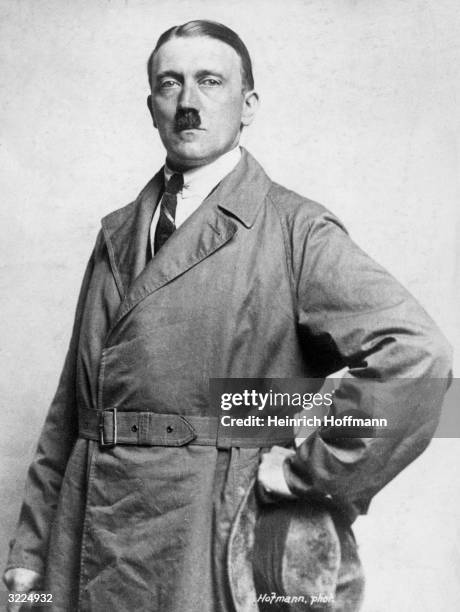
(102, 440)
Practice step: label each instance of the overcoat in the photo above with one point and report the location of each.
(259, 282)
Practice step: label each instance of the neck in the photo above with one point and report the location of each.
(179, 167)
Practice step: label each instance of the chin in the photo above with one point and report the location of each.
(190, 155)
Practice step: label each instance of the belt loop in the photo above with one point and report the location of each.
(143, 427)
(103, 443)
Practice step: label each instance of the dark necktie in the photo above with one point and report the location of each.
(166, 221)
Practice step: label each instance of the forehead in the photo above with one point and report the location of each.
(192, 54)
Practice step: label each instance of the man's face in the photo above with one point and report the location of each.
(197, 101)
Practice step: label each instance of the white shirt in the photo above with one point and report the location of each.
(198, 183)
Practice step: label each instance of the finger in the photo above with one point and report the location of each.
(264, 495)
(19, 607)
(20, 588)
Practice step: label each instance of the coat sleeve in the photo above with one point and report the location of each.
(353, 314)
(28, 548)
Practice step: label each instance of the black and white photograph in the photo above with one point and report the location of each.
(230, 277)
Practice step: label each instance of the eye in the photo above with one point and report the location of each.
(168, 84)
(210, 82)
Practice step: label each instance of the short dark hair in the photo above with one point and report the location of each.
(211, 29)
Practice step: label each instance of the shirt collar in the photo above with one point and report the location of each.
(201, 181)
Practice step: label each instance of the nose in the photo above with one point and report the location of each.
(189, 97)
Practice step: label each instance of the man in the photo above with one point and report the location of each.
(137, 498)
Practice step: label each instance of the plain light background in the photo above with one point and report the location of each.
(359, 110)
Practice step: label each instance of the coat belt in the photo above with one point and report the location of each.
(112, 426)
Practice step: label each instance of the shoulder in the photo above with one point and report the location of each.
(123, 220)
(299, 215)
(293, 209)
(119, 215)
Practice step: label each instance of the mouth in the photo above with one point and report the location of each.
(189, 134)
(189, 129)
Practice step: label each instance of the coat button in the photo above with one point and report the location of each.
(170, 429)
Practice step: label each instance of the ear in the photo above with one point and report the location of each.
(250, 106)
(150, 107)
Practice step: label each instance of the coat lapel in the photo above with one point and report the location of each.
(197, 238)
(237, 198)
(126, 233)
